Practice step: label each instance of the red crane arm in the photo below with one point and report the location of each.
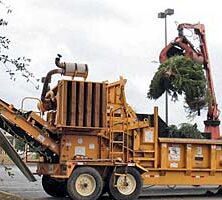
(182, 46)
(199, 29)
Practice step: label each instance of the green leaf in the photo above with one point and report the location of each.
(180, 75)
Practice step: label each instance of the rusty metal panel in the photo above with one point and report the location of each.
(103, 105)
(59, 101)
(64, 104)
(81, 104)
(97, 105)
(112, 95)
(73, 107)
(88, 105)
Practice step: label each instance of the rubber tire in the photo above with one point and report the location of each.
(54, 187)
(114, 193)
(73, 194)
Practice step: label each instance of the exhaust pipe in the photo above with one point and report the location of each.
(66, 69)
(72, 69)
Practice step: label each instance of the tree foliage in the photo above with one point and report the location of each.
(181, 75)
(13, 65)
(19, 144)
(185, 130)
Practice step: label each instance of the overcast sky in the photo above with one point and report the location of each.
(114, 37)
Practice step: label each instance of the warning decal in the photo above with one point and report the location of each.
(174, 153)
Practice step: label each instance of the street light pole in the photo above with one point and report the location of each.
(166, 93)
(165, 19)
(164, 14)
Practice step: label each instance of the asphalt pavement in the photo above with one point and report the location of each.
(19, 185)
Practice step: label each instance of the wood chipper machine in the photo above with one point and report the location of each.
(91, 141)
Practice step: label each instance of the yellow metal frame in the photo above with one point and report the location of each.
(162, 161)
(11, 114)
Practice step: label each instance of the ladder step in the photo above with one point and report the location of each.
(117, 174)
(117, 152)
(117, 131)
(144, 151)
(144, 159)
(118, 142)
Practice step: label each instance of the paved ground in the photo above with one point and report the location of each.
(9, 196)
(33, 191)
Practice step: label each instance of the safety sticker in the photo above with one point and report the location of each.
(218, 147)
(174, 153)
(41, 138)
(199, 154)
(148, 137)
(174, 165)
(80, 151)
(199, 151)
(80, 140)
(91, 146)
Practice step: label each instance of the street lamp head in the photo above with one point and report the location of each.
(161, 15)
(169, 11)
(164, 14)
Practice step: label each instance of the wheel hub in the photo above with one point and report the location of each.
(126, 185)
(85, 184)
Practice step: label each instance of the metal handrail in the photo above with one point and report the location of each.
(32, 98)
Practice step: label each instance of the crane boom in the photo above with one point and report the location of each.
(182, 46)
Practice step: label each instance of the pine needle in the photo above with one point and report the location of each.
(180, 75)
